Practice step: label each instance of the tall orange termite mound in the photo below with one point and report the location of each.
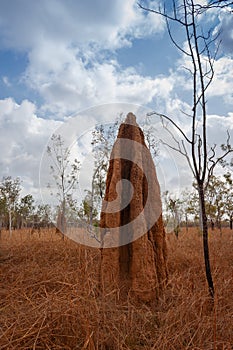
(133, 257)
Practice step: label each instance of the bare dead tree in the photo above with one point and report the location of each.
(201, 47)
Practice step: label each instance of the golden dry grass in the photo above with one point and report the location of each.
(49, 298)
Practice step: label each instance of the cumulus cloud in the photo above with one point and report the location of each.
(109, 24)
(75, 86)
(226, 30)
(23, 138)
(219, 93)
(222, 84)
(72, 64)
(66, 43)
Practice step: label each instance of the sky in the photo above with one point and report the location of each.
(60, 58)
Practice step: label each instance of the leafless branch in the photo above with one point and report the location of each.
(163, 116)
(174, 41)
(163, 14)
(214, 162)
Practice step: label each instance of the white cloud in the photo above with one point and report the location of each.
(75, 86)
(222, 84)
(72, 65)
(218, 127)
(23, 138)
(219, 94)
(109, 24)
(66, 44)
(225, 28)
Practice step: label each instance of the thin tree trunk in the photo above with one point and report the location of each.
(204, 225)
(10, 224)
(92, 198)
(91, 204)
(63, 219)
(186, 223)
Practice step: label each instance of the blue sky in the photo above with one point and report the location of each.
(59, 57)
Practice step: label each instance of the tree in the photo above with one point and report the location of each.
(9, 193)
(228, 198)
(189, 206)
(42, 216)
(25, 210)
(88, 211)
(3, 211)
(215, 196)
(103, 138)
(219, 195)
(150, 140)
(173, 209)
(65, 176)
(199, 46)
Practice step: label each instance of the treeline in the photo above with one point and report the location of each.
(17, 211)
(184, 211)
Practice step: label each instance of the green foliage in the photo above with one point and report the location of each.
(219, 194)
(87, 211)
(43, 215)
(9, 195)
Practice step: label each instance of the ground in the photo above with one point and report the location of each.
(50, 299)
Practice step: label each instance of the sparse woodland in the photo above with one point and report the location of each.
(50, 285)
(51, 298)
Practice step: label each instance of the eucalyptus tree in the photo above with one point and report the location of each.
(3, 213)
(25, 210)
(173, 211)
(64, 172)
(228, 200)
(42, 216)
(189, 206)
(9, 194)
(216, 193)
(199, 46)
(103, 138)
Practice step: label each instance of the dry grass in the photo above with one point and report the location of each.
(50, 300)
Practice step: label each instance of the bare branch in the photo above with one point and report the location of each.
(164, 14)
(220, 4)
(173, 40)
(214, 162)
(163, 116)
